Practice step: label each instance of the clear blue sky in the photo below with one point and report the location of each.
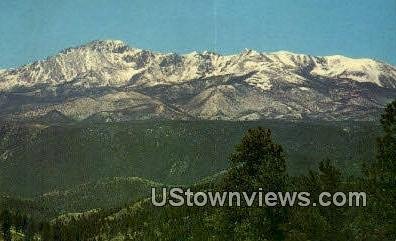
(35, 29)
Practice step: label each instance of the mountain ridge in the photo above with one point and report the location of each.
(108, 76)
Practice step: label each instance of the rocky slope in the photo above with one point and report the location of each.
(110, 81)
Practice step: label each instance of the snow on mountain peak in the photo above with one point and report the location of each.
(108, 76)
(361, 70)
(116, 64)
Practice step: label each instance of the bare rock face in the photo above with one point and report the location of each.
(110, 81)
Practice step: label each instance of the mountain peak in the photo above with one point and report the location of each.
(247, 51)
(107, 77)
(107, 45)
(114, 63)
(283, 52)
(104, 42)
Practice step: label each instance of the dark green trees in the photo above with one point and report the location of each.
(46, 232)
(329, 176)
(257, 164)
(258, 161)
(384, 186)
(6, 222)
(316, 222)
(386, 160)
(378, 222)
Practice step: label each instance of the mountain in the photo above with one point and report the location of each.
(110, 81)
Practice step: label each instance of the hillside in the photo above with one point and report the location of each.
(39, 158)
(106, 194)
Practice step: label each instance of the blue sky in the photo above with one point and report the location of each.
(35, 29)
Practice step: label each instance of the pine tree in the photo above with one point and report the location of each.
(330, 181)
(29, 231)
(6, 223)
(257, 163)
(46, 232)
(379, 219)
(260, 161)
(329, 176)
(386, 159)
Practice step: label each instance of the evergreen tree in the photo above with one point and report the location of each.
(383, 186)
(386, 159)
(378, 221)
(330, 181)
(260, 161)
(29, 231)
(46, 232)
(329, 176)
(257, 163)
(6, 223)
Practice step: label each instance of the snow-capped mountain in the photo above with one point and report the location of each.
(108, 80)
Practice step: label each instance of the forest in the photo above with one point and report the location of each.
(257, 161)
